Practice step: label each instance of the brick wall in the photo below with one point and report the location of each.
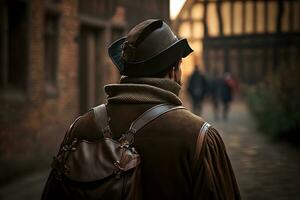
(39, 118)
(58, 112)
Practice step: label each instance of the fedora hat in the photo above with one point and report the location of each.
(148, 49)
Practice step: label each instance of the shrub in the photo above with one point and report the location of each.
(275, 104)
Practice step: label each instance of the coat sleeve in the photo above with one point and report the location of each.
(214, 177)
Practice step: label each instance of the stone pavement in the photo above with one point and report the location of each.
(27, 188)
(264, 170)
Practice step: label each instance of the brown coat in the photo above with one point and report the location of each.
(166, 145)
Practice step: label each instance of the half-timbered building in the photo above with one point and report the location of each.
(248, 38)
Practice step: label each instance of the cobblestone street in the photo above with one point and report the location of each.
(264, 170)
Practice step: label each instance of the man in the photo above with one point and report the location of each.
(227, 87)
(216, 82)
(197, 87)
(149, 58)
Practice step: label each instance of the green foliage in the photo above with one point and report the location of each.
(275, 104)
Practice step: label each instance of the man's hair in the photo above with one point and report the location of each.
(164, 73)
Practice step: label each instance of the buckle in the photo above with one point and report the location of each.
(127, 139)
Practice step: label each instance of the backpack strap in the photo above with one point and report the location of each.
(147, 117)
(102, 121)
(199, 143)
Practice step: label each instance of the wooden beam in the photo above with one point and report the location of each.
(244, 17)
(266, 14)
(279, 16)
(254, 16)
(231, 17)
(291, 16)
(191, 23)
(205, 19)
(189, 20)
(220, 19)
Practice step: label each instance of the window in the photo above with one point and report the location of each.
(198, 30)
(14, 47)
(212, 20)
(272, 15)
(185, 30)
(96, 8)
(225, 9)
(260, 19)
(51, 54)
(237, 15)
(197, 11)
(249, 17)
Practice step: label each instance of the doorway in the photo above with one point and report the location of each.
(91, 58)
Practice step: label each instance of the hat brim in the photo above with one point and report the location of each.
(151, 66)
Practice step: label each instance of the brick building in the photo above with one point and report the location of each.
(54, 60)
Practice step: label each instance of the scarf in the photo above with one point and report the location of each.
(143, 90)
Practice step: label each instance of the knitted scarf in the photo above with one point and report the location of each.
(143, 90)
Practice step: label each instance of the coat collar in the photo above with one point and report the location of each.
(143, 90)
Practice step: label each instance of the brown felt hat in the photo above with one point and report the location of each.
(148, 49)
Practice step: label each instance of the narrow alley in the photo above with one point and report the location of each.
(261, 166)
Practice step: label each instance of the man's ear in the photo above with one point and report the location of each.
(171, 73)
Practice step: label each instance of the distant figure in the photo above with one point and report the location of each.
(215, 92)
(227, 87)
(197, 87)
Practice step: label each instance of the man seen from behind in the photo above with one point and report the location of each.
(180, 155)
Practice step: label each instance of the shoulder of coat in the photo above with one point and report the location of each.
(85, 127)
(184, 118)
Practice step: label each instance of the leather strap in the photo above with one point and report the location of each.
(147, 117)
(102, 121)
(199, 143)
(67, 135)
(151, 115)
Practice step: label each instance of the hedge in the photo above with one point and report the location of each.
(275, 103)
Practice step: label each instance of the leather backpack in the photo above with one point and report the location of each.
(102, 169)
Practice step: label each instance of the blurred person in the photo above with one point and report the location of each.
(175, 155)
(215, 92)
(197, 87)
(234, 83)
(227, 89)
